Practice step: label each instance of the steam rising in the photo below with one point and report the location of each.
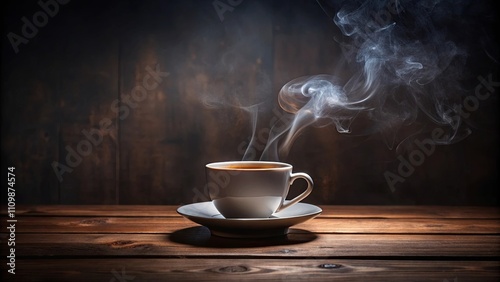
(400, 75)
(407, 65)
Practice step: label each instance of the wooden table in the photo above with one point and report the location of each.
(345, 243)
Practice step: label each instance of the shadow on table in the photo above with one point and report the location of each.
(200, 236)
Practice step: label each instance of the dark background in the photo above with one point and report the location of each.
(70, 74)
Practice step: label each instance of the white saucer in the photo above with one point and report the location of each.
(206, 214)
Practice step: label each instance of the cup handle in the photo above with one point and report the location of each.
(310, 184)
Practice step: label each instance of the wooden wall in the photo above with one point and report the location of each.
(78, 74)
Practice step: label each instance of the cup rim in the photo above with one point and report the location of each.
(223, 165)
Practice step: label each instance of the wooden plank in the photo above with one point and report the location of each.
(62, 82)
(362, 211)
(150, 169)
(97, 168)
(30, 111)
(88, 128)
(166, 136)
(329, 211)
(147, 164)
(96, 210)
(182, 269)
(317, 225)
(197, 242)
(66, 77)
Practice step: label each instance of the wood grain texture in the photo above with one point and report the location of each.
(197, 242)
(184, 269)
(89, 76)
(69, 76)
(318, 225)
(336, 211)
(64, 82)
(86, 243)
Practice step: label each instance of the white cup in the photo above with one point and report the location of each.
(252, 189)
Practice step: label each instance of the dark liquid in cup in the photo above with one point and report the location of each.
(251, 166)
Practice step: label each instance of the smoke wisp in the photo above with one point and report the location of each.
(408, 72)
